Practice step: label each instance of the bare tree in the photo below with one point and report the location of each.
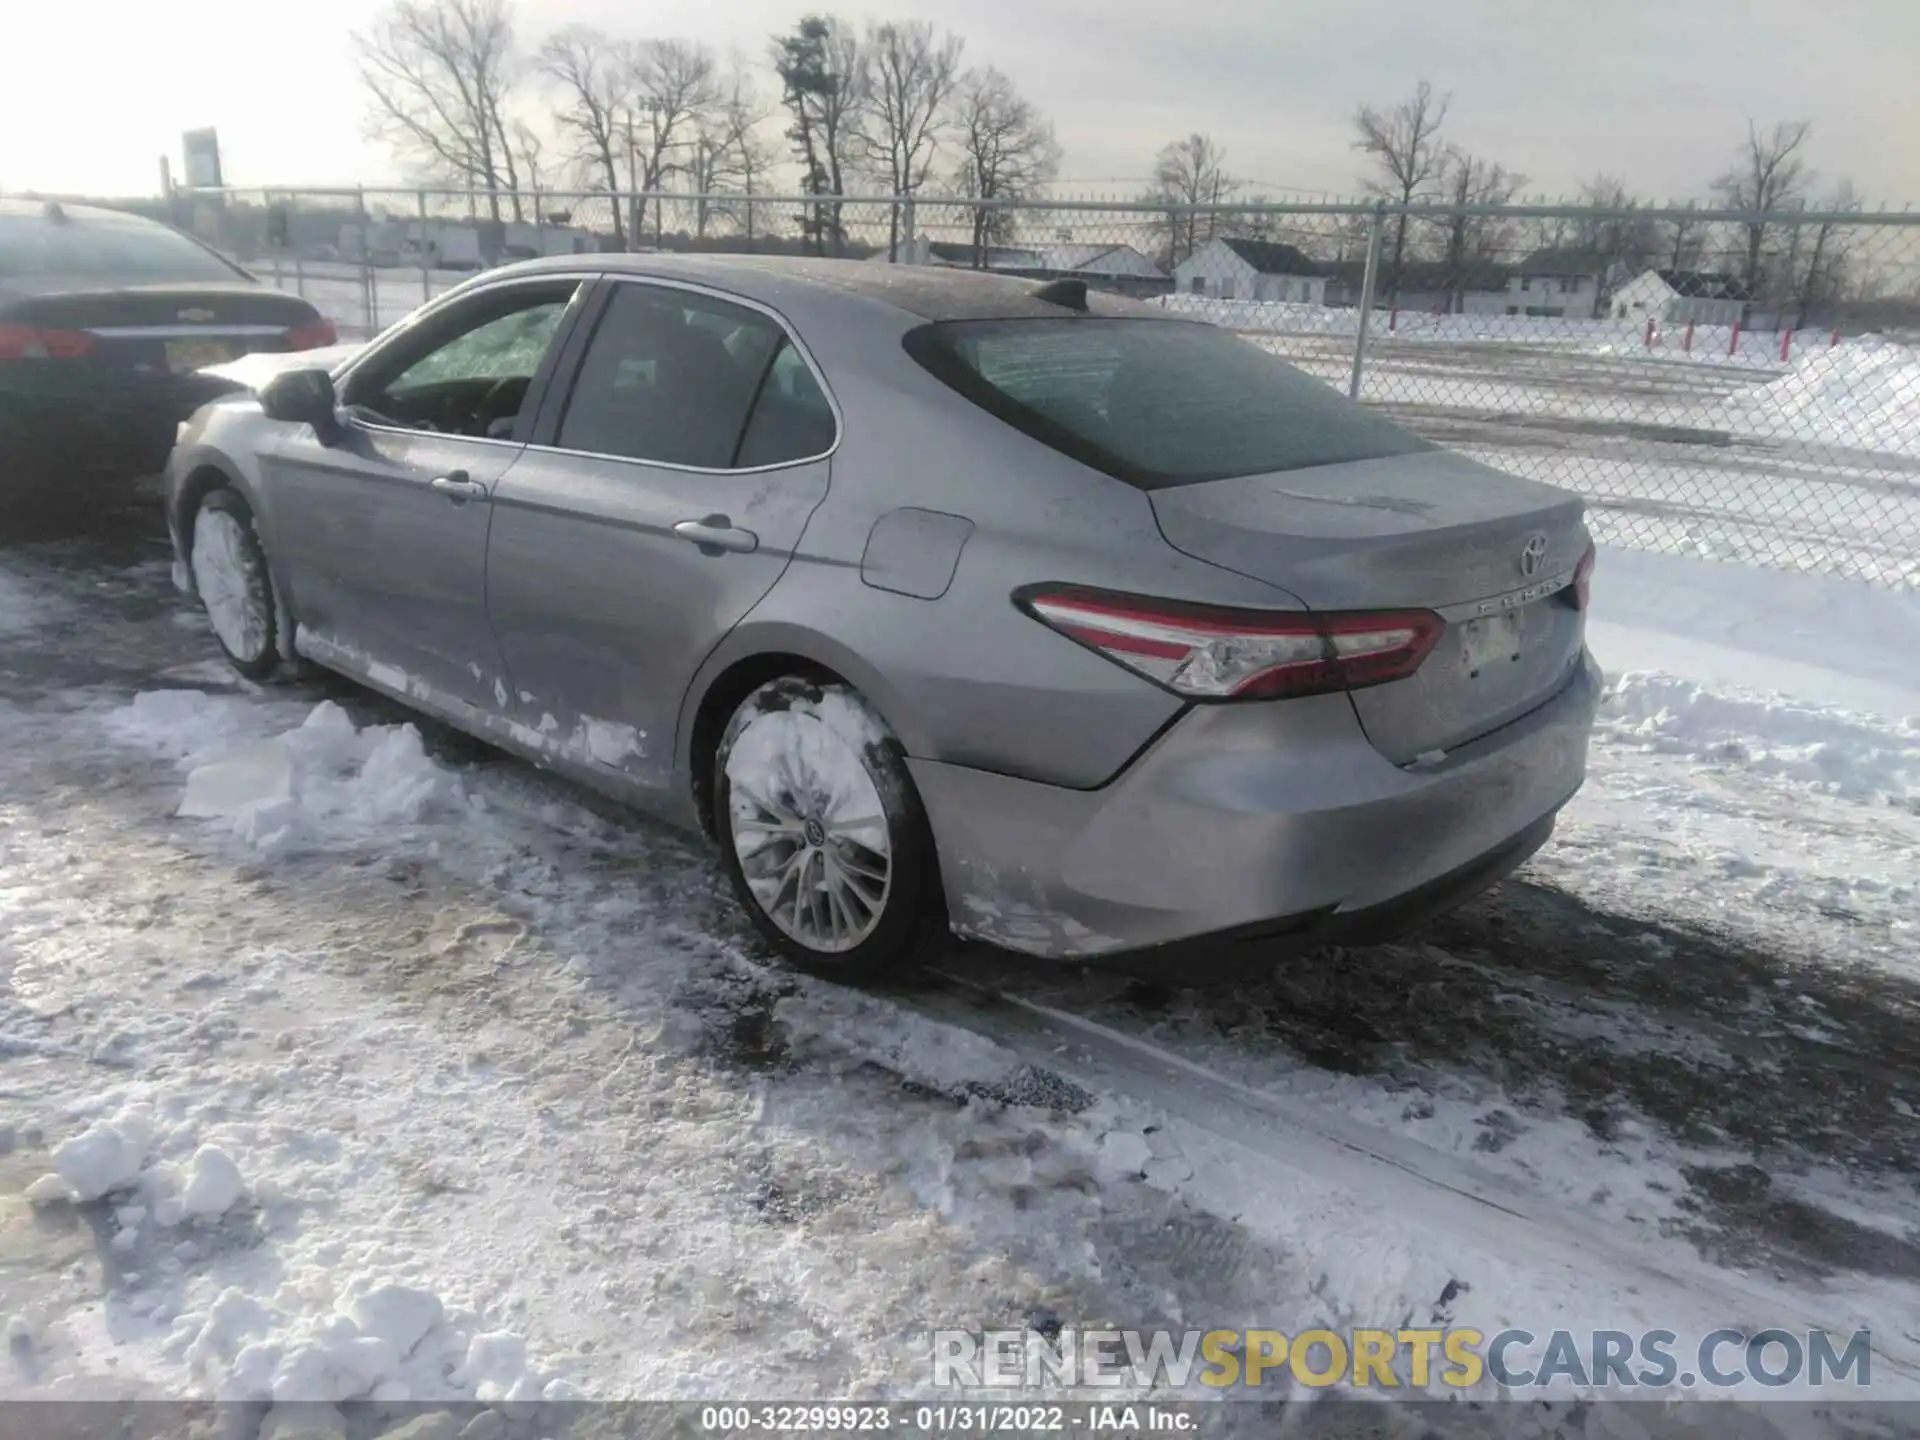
(438, 73)
(1822, 283)
(1188, 174)
(528, 147)
(825, 87)
(1624, 240)
(1404, 142)
(675, 86)
(914, 73)
(1468, 181)
(595, 76)
(1770, 174)
(1007, 152)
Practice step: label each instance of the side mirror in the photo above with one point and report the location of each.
(304, 397)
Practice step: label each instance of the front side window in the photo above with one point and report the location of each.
(473, 378)
(1154, 403)
(679, 378)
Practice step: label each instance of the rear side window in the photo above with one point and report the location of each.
(680, 378)
(1154, 403)
(791, 420)
(127, 251)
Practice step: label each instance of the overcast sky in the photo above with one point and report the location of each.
(1657, 91)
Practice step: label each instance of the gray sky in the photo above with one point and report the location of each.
(1657, 91)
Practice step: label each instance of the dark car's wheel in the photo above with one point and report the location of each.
(823, 833)
(230, 576)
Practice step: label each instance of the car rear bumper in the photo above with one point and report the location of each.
(82, 440)
(1252, 821)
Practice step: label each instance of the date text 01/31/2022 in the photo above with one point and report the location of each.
(931, 1420)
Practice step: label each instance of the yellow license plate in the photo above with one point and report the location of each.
(184, 355)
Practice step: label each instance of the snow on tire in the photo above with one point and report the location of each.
(824, 837)
(231, 578)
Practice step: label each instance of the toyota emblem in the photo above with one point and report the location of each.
(1533, 555)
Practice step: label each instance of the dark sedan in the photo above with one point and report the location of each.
(104, 319)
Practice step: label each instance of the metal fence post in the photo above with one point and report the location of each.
(366, 259)
(426, 251)
(906, 230)
(1375, 230)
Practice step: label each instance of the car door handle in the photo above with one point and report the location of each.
(716, 534)
(458, 488)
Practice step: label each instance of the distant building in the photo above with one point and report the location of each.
(1427, 287)
(1119, 268)
(1682, 297)
(1227, 269)
(1558, 282)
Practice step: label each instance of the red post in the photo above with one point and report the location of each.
(1649, 332)
(1688, 343)
(1733, 345)
(1786, 343)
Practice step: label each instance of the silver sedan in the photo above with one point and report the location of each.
(935, 598)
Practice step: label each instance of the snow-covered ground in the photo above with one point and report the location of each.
(345, 1057)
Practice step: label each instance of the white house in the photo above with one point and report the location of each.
(1250, 270)
(1109, 261)
(1557, 282)
(1681, 297)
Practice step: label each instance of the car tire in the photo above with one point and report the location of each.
(229, 569)
(824, 838)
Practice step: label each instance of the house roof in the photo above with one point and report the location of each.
(1098, 260)
(1270, 257)
(1706, 284)
(994, 257)
(1424, 275)
(1565, 261)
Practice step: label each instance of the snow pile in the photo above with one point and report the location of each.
(1838, 751)
(322, 779)
(1864, 394)
(106, 1156)
(382, 1340)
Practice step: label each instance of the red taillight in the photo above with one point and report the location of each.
(30, 342)
(1582, 587)
(1208, 652)
(314, 335)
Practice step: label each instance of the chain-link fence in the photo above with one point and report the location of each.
(1740, 386)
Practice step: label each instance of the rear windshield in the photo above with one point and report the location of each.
(125, 251)
(1151, 402)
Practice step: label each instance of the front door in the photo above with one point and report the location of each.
(385, 531)
(670, 492)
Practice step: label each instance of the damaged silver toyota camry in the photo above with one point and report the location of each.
(933, 597)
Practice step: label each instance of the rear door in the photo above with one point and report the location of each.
(384, 532)
(666, 490)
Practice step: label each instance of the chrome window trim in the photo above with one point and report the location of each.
(746, 303)
(433, 307)
(210, 331)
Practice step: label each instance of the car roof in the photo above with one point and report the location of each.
(929, 292)
(49, 210)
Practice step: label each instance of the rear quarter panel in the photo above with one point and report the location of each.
(966, 678)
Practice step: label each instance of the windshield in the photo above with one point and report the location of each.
(126, 252)
(1154, 403)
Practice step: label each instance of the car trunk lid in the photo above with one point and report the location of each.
(1493, 554)
(164, 329)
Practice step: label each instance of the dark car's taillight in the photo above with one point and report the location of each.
(31, 342)
(1208, 652)
(314, 335)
